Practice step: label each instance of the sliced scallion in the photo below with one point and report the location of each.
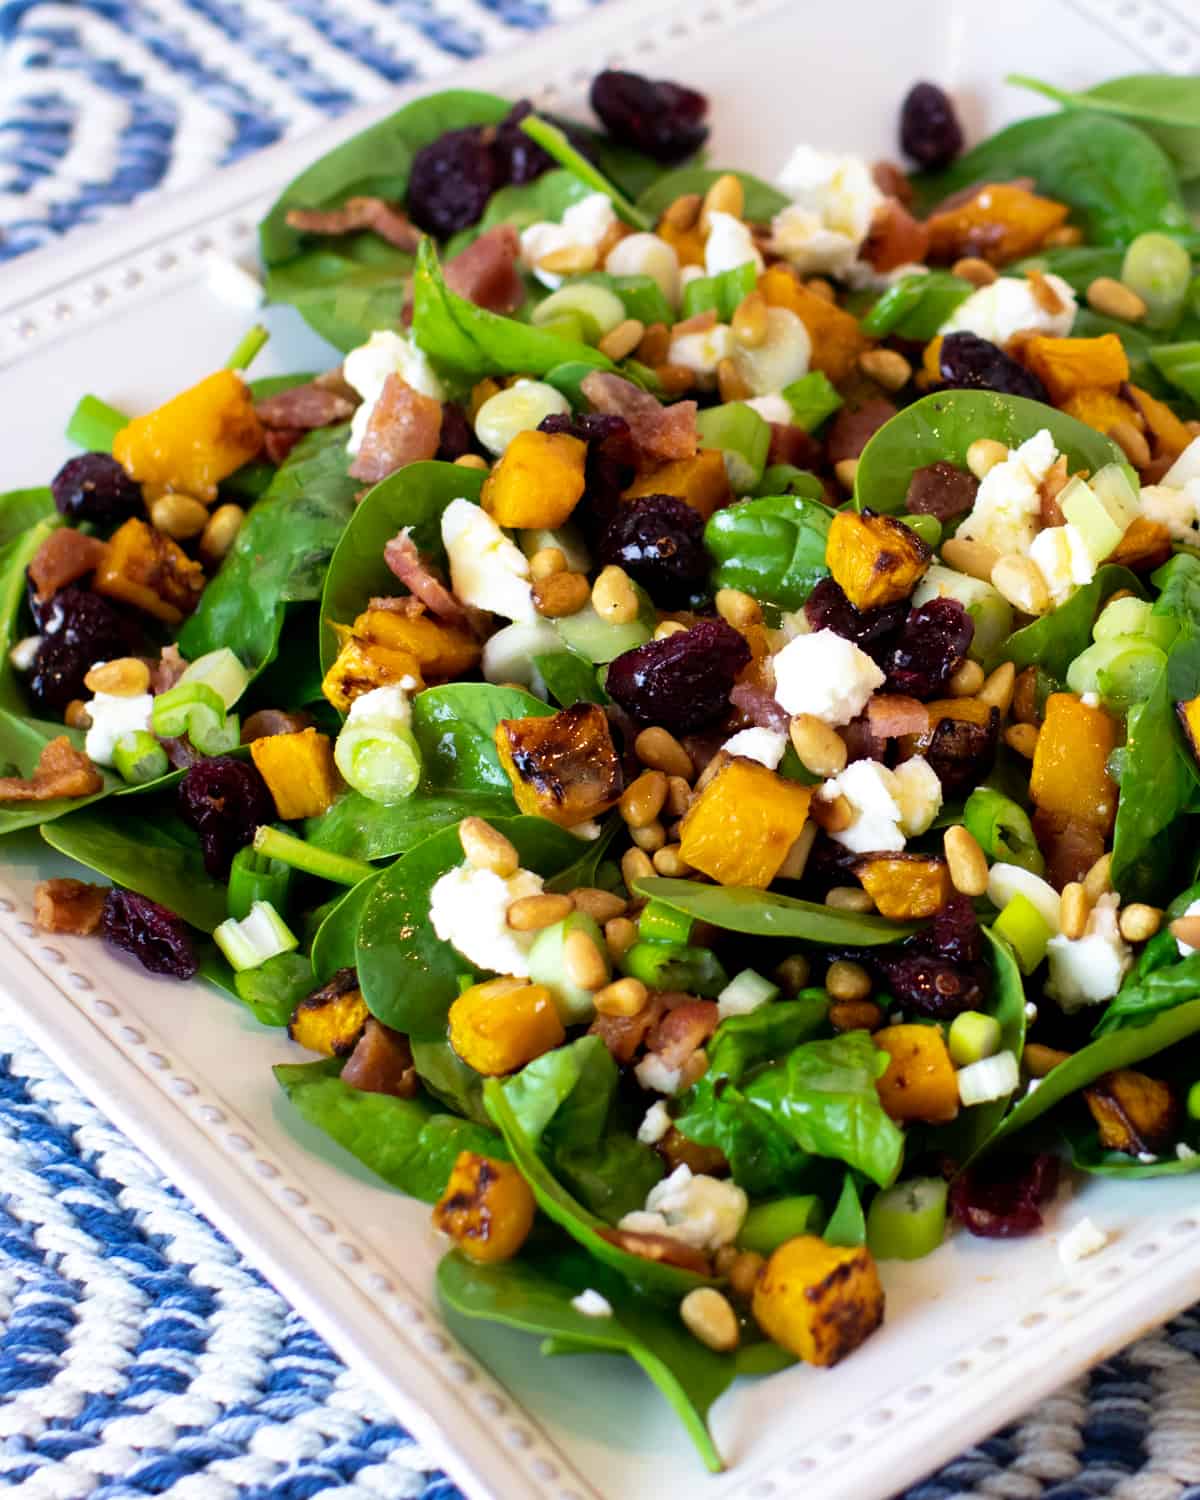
(139, 758)
(989, 1078)
(260, 935)
(340, 869)
(907, 1221)
(771, 1224)
(973, 1036)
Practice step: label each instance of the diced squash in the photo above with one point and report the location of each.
(299, 772)
(1065, 366)
(487, 1209)
(905, 887)
(1145, 546)
(920, 1082)
(740, 828)
(999, 223)
(875, 559)
(331, 1020)
(1070, 770)
(500, 1025)
(384, 646)
(1134, 1113)
(1099, 408)
(837, 338)
(195, 440)
(145, 568)
(931, 360)
(1170, 435)
(701, 482)
(563, 767)
(538, 482)
(688, 243)
(820, 1301)
(362, 665)
(1189, 717)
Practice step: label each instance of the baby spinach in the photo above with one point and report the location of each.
(847, 1223)
(765, 914)
(1087, 1155)
(772, 548)
(345, 294)
(450, 1080)
(1055, 640)
(363, 829)
(544, 199)
(589, 869)
(405, 1141)
(553, 139)
(334, 940)
(1078, 265)
(455, 726)
(273, 990)
(1166, 107)
(1179, 365)
(1161, 989)
(916, 306)
(942, 426)
(22, 741)
(762, 201)
(570, 678)
(21, 510)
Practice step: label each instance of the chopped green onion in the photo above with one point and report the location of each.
(1127, 616)
(812, 398)
(928, 528)
(989, 1078)
(660, 923)
(771, 1224)
(746, 992)
(1002, 829)
(1159, 270)
(220, 670)
(674, 966)
(599, 640)
(380, 759)
(253, 877)
(340, 869)
(973, 1036)
(260, 935)
(597, 309)
(1026, 929)
(907, 1221)
(555, 143)
(94, 424)
(247, 348)
(139, 758)
(197, 710)
(575, 1005)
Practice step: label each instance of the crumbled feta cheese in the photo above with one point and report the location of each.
(874, 797)
(1183, 1152)
(772, 408)
(1060, 554)
(23, 653)
(704, 350)
(1084, 1239)
(1007, 510)
(1186, 467)
(834, 199)
(1031, 1012)
(647, 255)
(1185, 949)
(468, 908)
(1147, 1158)
(1006, 881)
(1007, 306)
(704, 1212)
(862, 275)
(654, 1075)
(1033, 1085)
(918, 795)
(766, 746)
(368, 367)
(1090, 700)
(591, 1304)
(232, 283)
(1176, 509)
(508, 656)
(584, 225)
(729, 245)
(388, 704)
(113, 716)
(655, 1124)
(1087, 970)
(487, 570)
(826, 675)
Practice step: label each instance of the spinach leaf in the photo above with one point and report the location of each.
(1179, 365)
(345, 294)
(916, 306)
(1161, 989)
(334, 940)
(544, 199)
(450, 1080)
(363, 829)
(1078, 265)
(273, 990)
(586, 870)
(772, 548)
(847, 1224)
(455, 726)
(1165, 106)
(569, 678)
(943, 426)
(22, 741)
(408, 975)
(762, 200)
(1118, 180)
(765, 914)
(1055, 640)
(554, 140)
(404, 1141)
(1087, 1155)
(21, 510)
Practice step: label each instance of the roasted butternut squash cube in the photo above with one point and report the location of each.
(1170, 435)
(444, 652)
(999, 223)
(299, 772)
(905, 887)
(1145, 546)
(563, 767)
(361, 665)
(701, 482)
(1189, 717)
(538, 481)
(1098, 407)
(1065, 366)
(195, 440)
(820, 1301)
(487, 1209)
(688, 243)
(920, 1082)
(331, 1020)
(145, 568)
(875, 559)
(931, 361)
(1134, 1112)
(500, 1025)
(742, 825)
(1070, 764)
(953, 710)
(837, 338)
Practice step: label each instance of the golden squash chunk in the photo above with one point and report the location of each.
(905, 887)
(563, 767)
(195, 440)
(1145, 546)
(1098, 407)
(837, 338)
(331, 1020)
(999, 223)
(875, 559)
(741, 827)
(487, 1209)
(1134, 1112)
(1189, 717)
(1066, 366)
(145, 568)
(701, 482)
(920, 1082)
(299, 772)
(1170, 435)
(820, 1301)
(538, 482)
(498, 1026)
(443, 652)
(1070, 764)
(362, 665)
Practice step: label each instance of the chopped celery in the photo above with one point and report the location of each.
(1113, 486)
(94, 424)
(743, 437)
(339, 869)
(988, 1079)
(1126, 616)
(220, 670)
(1122, 669)
(599, 640)
(139, 758)
(1026, 929)
(598, 309)
(253, 877)
(907, 1221)
(660, 923)
(972, 1037)
(721, 293)
(675, 966)
(1087, 511)
(567, 539)
(1002, 829)
(575, 1005)
(771, 1224)
(746, 992)
(260, 935)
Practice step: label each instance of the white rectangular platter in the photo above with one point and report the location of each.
(974, 1334)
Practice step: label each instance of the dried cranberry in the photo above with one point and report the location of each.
(457, 435)
(954, 933)
(451, 181)
(931, 646)
(942, 490)
(520, 157)
(78, 629)
(611, 463)
(659, 541)
(1001, 1197)
(665, 120)
(968, 363)
(828, 608)
(929, 130)
(224, 800)
(94, 487)
(156, 937)
(931, 986)
(962, 753)
(683, 681)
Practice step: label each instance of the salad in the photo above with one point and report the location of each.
(691, 723)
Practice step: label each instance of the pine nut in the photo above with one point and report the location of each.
(730, 383)
(668, 861)
(966, 680)
(583, 963)
(635, 865)
(709, 1316)
(889, 368)
(481, 391)
(1022, 738)
(179, 516)
(569, 259)
(674, 379)
(1021, 583)
(855, 1015)
(749, 321)
(819, 287)
(845, 470)
(1186, 930)
(664, 628)
(1044, 293)
(613, 596)
(966, 860)
(977, 272)
(997, 690)
(833, 814)
(848, 898)
(600, 905)
(125, 677)
(623, 339)
(660, 750)
(1025, 695)
(620, 934)
(1138, 922)
(725, 196)
(821, 748)
(793, 973)
(684, 212)
(1039, 1059)
(679, 796)
(624, 997)
(546, 562)
(717, 764)
(795, 861)
(1115, 300)
(1075, 911)
(1065, 234)
(847, 981)
(486, 848)
(743, 1273)
(984, 454)
(650, 836)
(1131, 443)
(76, 716)
(975, 559)
(655, 345)
(560, 595)
(643, 799)
(737, 608)
(220, 532)
(473, 461)
(1098, 880)
(532, 913)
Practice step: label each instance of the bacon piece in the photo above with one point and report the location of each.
(1071, 848)
(661, 1247)
(759, 706)
(624, 1035)
(658, 432)
(389, 223)
(407, 605)
(167, 670)
(64, 557)
(335, 380)
(892, 714)
(892, 181)
(415, 573)
(381, 1063)
(895, 238)
(304, 406)
(403, 428)
(683, 1030)
(278, 442)
(72, 906)
(61, 771)
(486, 271)
(853, 429)
(941, 489)
(792, 445)
(861, 742)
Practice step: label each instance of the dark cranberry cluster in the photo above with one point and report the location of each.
(78, 629)
(968, 363)
(1001, 1197)
(682, 681)
(940, 971)
(156, 937)
(224, 800)
(659, 541)
(665, 120)
(919, 649)
(929, 130)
